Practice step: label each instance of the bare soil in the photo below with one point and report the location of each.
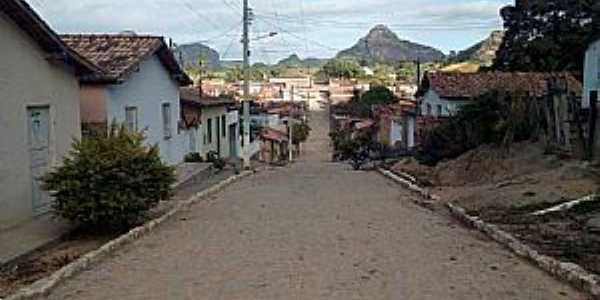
(562, 235)
(42, 263)
(504, 186)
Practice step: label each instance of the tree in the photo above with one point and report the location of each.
(300, 133)
(547, 35)
(342, 68)
(360, 105)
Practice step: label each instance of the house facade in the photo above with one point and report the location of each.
(138, 88)
(396, 125)
(441, 95)
(591, 89)
(39, 111)
(591, 80)
(217, 127)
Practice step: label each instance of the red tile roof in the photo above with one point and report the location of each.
(120, 55)
(471, 85)
(274, 135)
(191, 96)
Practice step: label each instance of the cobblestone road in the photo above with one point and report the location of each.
(314, 231)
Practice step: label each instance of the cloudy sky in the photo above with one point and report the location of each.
(316, 28)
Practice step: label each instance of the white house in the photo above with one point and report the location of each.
(39, 110)
(591, 80)
(443, 94)
(212, 125)
(139, 87)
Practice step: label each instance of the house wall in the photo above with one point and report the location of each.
(147, 90)
(396, 133)
(213, 113)
(193, 139)
(28, 79)
(591, 80)
(93, 104)
(449, 107)
(411, 131)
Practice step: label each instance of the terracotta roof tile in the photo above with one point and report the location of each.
(470, 85)
(191, 95)
(120, 55)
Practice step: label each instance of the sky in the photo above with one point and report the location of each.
(309, 28)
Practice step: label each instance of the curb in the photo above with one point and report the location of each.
(567, 272)
(46, 285)
(412, 186)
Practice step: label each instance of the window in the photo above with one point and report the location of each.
(439, 110)
(166, 118)
(131, 119)
(224, 126)
(209, 131)
(429, 109)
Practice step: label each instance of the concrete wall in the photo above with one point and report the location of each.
(147, 90)
(591, 80)
(448, 107)
(28, 79)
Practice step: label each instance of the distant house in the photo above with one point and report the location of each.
(442, 94)
(274, 146)
(396, 124)
(139, 87)
(39, 110)
(210, 124)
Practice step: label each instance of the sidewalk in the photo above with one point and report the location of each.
(27, 237)
(24, 238)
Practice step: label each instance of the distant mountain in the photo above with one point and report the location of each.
(483, 52)
(296, 62)
(383, 45)
(191, 54)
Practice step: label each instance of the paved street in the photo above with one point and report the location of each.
(314, 231)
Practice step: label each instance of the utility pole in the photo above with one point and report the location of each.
(246, 99)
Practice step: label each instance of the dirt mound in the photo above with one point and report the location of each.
(486, 164)
(490, 164)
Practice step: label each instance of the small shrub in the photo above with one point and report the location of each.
(218, 162)
(110, 183)
(193, 158)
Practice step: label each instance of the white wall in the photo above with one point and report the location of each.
(213, 113)
(28, 79)
(448, 107)
(396, 132)
(148, 89)
(591, 79)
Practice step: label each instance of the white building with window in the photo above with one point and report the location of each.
(211, 124)
(139, 87)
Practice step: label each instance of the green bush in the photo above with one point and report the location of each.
(218, 162)
(110, 183)
(193, 158)
(494, 118)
